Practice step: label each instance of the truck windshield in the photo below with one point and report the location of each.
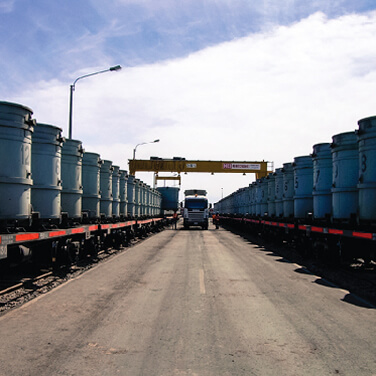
(196, 204)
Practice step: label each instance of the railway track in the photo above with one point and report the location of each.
(26, 284)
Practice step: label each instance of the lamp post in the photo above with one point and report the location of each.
(73, 86)
(143, 143)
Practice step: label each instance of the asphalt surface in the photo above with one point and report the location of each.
(192, 303)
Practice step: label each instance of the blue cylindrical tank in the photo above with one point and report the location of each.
(123, 187)
(46, 170)
(16, 128)
(116, 191)
(131, 195)
(278, 174)
(303, 185)
(322, 180)
(257, 189)
(263, 195)
(271, 194)
(146, 203)
(170, 197)
(106, 188)
(150, 201)
(237, 202)
(288, 190)
(252, 188)
(241, 201)
(143, 189)
(71, 174)
(158, 203)
(137, 196)
(345, 158)
(248, 199)
(367, 168)
(147, 199)
(91, 166)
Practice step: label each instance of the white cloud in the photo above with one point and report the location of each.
(7, 6)
(269, 96)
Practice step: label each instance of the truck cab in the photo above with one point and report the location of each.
(195, 209)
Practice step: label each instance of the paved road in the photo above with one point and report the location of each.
(191, 303)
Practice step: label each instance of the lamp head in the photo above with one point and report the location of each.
(115, 68)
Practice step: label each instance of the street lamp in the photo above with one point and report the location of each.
(143, 143)
(73, 86)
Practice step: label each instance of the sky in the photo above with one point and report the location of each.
(231, 80)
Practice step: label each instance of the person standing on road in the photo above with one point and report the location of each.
(216, 220)
(175, 218)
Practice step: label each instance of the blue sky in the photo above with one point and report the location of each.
(213, 79)
(47, 39)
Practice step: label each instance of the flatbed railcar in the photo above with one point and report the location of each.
(323, 203)
(59, 202)
(331, 244)
(62, 245)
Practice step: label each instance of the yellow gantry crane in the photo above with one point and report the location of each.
(179, 165)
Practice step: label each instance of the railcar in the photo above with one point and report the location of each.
(323, 203)
(59, 202)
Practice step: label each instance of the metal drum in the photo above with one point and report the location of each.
(46, 170)
(345, 158)
(240, 196)
(271, 194)
(71, 174)
(322, 180)
(248, 199)
(170, 197)
(91, 167)
(253, 198)
(146, 199)
(153, 202)
(131, 195)
(16, 128)
(257, 189)
(123, 188)
(263, 196)
(288, 190)
(278, 174)
(155, 207)
(243, 200)
(106, 189)
(158, 203)
(237, 202)
(116, 191)
(367, 168)
(142, 197)
(149, 201)
(137, 197)
(303, 185)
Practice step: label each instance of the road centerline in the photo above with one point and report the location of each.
(202, 282)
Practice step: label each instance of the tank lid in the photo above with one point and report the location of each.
(10, 104)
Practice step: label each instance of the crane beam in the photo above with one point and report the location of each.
(185, 166)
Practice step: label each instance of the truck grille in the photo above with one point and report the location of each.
(196, 216)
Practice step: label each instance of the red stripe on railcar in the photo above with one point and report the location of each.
(23, 237)
(335, 231)
(78, 230)
(57, 233)
(317, 229)
(364, 235)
